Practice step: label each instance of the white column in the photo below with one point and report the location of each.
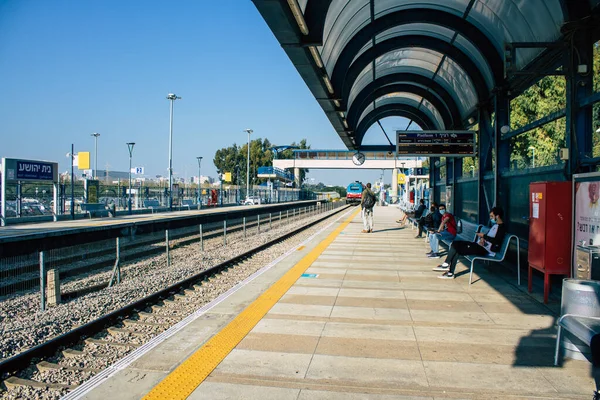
(394, 191)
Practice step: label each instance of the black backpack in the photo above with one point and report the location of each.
(369, 201)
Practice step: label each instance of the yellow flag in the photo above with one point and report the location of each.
(83, 160)
(227, 176)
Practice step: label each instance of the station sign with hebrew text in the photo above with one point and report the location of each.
(14, 170)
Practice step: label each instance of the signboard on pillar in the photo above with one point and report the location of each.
(449, 199)
(401, 179)
(435, 143)
(92, 188)
(83, 160)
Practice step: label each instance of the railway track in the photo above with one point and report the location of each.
(57, 366)
(90, 259)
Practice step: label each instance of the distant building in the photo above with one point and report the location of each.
(110, 176)
(204, 179)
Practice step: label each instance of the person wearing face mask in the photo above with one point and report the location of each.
(446, 231)
(433, 218)
(486, 245)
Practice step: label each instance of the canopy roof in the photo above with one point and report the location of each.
(433, 61)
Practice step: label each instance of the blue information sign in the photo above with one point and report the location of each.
(34, 170)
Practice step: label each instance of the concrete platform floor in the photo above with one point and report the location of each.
(376, 323)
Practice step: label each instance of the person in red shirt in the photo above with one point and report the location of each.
(446, 231)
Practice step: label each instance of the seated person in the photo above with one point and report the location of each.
(487, 245)
(446, 231)
(419, 212)
(431, 219)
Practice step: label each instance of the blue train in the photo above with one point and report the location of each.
(354, 193)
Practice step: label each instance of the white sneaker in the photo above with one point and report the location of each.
(446, 275)
(441, 268)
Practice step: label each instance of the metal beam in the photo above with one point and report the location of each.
(535, 124)
(386, 83)
(410, 41)
(425, 15)
(401, 110)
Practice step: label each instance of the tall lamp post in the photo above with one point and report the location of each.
(95, 135)
(199, 183)
(172, 97)
(533, 155)
(248, 165)
(130, 147)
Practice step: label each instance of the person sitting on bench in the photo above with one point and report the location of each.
(419, 212)
(446, 231)
(487, 245)
(433, 218)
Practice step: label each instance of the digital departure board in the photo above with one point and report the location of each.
(436, 143)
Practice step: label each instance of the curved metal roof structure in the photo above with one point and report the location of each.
(435, 62)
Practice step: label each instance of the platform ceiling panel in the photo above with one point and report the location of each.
(453, 48)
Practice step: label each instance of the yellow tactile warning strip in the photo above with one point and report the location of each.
(180, 383)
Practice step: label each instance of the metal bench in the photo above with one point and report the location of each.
(151, 204)
(187, 203)
(468, 234)
(94, 209)
(500, 254)
(585, 329)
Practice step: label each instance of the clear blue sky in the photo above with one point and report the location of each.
(70, 68)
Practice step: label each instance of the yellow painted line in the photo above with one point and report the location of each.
(180, 383)
(301, 248)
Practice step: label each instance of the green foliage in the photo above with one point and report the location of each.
(540, 100)
(289, 154)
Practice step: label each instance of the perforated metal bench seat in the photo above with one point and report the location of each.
(585, 329)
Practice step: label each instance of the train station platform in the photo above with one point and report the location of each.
(349, 315)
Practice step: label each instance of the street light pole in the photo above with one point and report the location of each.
(72, 181)
(199, 183)
(95, 135)
(532, 156)
(130, 147)
(172, 97)
(248, 165)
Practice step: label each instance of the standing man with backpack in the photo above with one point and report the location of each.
(367, 203)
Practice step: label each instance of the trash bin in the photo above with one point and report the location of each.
(579, 297)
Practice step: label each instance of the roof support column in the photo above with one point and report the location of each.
(501, 149)
(579, 86)
(434, 177)
(450, 182)
(485, 145)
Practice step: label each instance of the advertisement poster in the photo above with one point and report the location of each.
(587, 213)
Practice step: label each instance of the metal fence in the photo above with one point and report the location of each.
(31, 200)
(69, 272)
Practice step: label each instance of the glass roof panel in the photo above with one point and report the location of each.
(423, 62)
(409, 99)
(518, 21)
(500, 20)
(441, 33)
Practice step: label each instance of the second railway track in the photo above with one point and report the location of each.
(57, 366)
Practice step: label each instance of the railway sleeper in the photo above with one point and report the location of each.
(109, 343)
(45, 366)
(13, 382)
(132, 323)
(120, 331)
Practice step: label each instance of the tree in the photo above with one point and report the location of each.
(234, 159)
(289, 154)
